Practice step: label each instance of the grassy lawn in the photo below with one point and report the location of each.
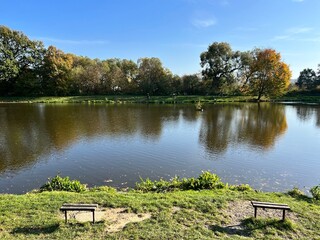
(205, 214)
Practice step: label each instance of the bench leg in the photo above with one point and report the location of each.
(255, 212)
(66, 216)
(284, 214)
(93, 217)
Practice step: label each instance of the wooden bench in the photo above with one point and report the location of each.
(264, 205)
(78, 207)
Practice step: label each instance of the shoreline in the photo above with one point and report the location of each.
(188, 208)
(124, 99)
(191, 214)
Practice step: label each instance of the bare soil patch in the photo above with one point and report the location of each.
(240, 210)
(114, 218)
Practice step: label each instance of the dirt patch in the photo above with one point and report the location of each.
(114, 218)
(240, 210)
(117, 218)
(175, 209)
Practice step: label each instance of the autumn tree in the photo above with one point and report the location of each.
(269, 75)
(91, 75)
(20, 60)
(57, 72)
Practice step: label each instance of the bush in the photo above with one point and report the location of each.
(241, 187)
(295, 192)
(63, 184)
(315, 191)
(103, 189)
(158, 186)
(206, 180)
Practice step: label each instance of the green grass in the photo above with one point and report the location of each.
(202, 215)
(126, 99)
(122, 99)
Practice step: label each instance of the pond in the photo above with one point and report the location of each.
(272, 147)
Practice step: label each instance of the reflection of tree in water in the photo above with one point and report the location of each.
(318, 116)
(256, 124)
(262, 124)
(215, 130)
(30, 131)
(189, 114)
(305, 113)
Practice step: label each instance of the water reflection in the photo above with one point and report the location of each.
(31, 133)
(254, 124)
(306, 113)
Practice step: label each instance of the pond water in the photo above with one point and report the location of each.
(272, 147)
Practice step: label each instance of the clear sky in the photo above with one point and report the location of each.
(176, 31)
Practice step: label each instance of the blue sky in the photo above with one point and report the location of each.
(176, 31)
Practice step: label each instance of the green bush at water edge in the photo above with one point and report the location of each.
(63, 184)
(206, 180)
(315, 191)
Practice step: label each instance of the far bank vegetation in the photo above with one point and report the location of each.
(30, 69)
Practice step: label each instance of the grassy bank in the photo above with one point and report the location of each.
(206, 214)
(154, 99)
(126, 99)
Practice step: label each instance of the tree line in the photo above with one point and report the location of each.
(27, 68)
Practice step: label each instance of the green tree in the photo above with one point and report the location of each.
(307, 79)
(269, 75)
(152, 78)
(176, 84)
(129, 70)
(219, 65)
(121, 75)
(19, 56)
(191, 84)
(318, 77)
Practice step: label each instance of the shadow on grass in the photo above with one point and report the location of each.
(36, 230)
(249, 225)
(301, 197)
(231, 230)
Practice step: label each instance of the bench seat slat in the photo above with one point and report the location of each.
(272, 207)
(66, 208)
(268, 203)
(79, 205)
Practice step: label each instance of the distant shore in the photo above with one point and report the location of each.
(122, 99)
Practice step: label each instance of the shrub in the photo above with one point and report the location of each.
(206, 180)
(103, 189)
(295, 192)
(158, 186)
(315, 191)
(63, 184)
(241, 187)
